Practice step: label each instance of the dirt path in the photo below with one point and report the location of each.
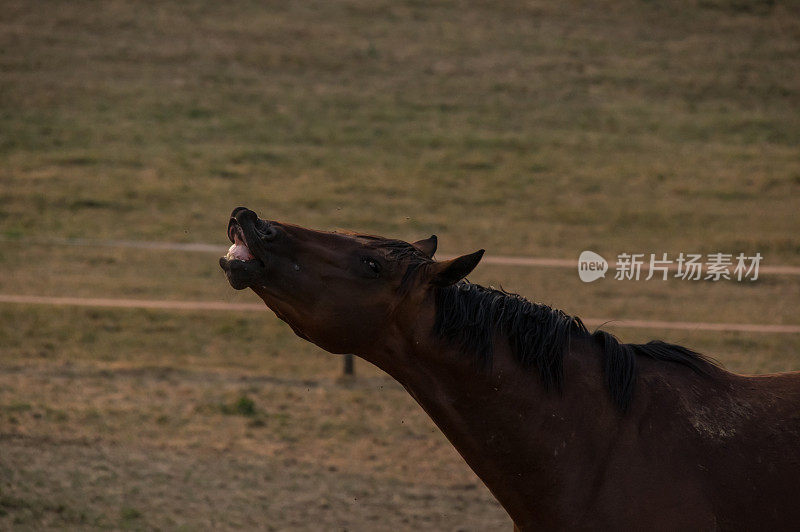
(199, 247)
(220, 305)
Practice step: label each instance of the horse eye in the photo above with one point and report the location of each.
(374, 266)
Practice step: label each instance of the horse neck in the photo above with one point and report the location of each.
(520, 439)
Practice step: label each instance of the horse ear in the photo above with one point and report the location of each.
(427, 245)
(451, 271)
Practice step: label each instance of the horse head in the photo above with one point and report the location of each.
(340, 290)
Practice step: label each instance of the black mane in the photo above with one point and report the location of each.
(471, 315)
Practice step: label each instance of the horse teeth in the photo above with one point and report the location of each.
(239, 252)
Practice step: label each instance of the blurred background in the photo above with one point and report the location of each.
(530, 129)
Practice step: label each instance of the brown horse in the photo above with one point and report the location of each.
(568, 429)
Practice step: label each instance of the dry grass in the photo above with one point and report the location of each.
(531, 129)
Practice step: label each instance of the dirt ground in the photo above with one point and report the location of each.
(155, 447)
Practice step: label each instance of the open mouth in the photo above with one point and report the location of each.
(239, 249)
(242, 267)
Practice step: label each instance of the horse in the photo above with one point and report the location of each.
(569, 429)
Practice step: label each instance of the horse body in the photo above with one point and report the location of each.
(691, 453)
(568, 429)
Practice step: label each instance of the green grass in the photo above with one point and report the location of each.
(525, 130)
(532, 129)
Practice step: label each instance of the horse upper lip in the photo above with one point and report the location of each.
(243, 229)
(240, 217)
(233, 229)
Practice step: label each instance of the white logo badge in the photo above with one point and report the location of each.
(591, 266)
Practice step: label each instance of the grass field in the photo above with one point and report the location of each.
(530, 129)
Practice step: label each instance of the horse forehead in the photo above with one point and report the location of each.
(335, 239)
(343, 240)
(364, 240)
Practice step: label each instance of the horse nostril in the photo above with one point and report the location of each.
(270, 233)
